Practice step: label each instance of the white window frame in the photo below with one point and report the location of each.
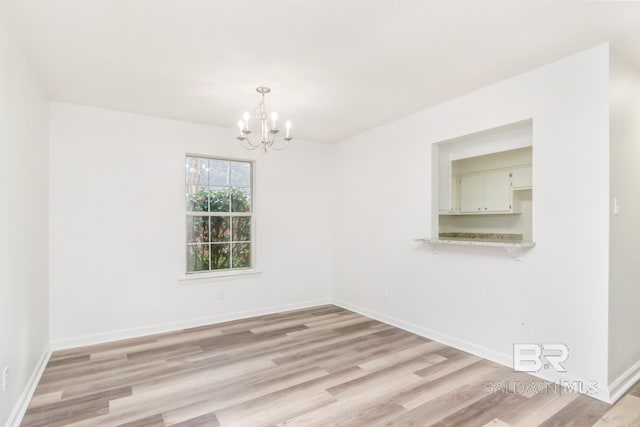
(228, 272)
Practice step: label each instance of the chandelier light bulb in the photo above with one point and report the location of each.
(288, 125)
(274, 117)
(245, 116)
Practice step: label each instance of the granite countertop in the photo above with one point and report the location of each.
(483, 237)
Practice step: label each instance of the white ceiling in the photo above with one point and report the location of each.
(336, 67)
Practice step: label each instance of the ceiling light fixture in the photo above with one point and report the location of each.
(269, 139)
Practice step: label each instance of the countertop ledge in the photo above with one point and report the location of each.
(478, 242)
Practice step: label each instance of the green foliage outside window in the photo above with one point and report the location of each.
(219, 200)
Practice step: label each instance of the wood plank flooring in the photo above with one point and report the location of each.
(313, 367)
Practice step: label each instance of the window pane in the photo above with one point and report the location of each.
(219, 256)
(241, 255)
(197, 229)
(220, 229)
(240, 200)
(197, 258)
(197, 172)
(203, 170)
(219, 172)
(240, 174)
(220, 198)
(197, 200)
(241, 228)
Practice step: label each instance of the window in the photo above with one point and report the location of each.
(219, 214)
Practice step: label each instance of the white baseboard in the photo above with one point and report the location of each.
(15, 418)
(624, 382)
(122, 334)
(469, 347)
(602, 392)
(599, 391)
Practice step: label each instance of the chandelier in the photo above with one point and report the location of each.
(269, 139)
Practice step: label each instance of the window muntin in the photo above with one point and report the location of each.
(219, 214)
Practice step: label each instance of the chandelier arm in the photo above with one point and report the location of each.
(248, 145)
(251, 143)
(282, 148)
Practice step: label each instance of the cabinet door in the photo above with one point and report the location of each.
(497, 191)
(471, 193)
(455, 194)
(521, 178)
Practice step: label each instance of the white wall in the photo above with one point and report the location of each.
(479, 298)
(117, 226)
(499, 160)
(24, 324)
(624, 297)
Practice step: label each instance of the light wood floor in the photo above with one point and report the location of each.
(314, 367)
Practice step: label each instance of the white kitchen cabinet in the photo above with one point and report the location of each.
(497, 191)
(521, 178)
(471, 193)
(486, 192)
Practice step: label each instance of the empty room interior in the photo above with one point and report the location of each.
(319, 213)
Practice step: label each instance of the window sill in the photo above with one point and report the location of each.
(218, 276)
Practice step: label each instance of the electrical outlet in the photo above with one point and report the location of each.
(5, 378)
